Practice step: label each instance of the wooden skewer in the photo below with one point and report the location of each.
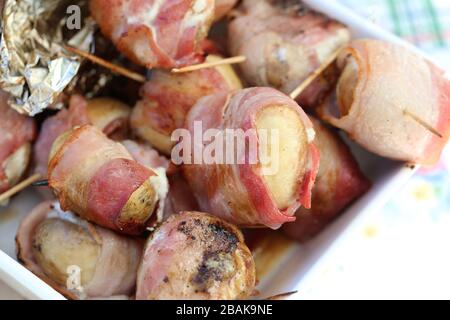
(326, 64)
(294, 94)
(233, 60)
(422, 123)
(281, 296)
(113, 67)
(19, 187)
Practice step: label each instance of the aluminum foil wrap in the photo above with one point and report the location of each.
(35, 68)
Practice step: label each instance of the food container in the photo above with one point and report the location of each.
(293, 268)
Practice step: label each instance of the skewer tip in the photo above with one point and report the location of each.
(305, 83)
(40, 183)
(423, 123)
(19, 187)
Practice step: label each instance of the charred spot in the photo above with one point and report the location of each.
(166, 279)
(183, 227)
(223, 237)
(217, 262)
(215, 266)
(214, 235)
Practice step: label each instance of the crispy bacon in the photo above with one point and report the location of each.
(242, 193)
(16, 131)
(99, 180)
(156, 33)
(196, 256)
(167, 98)
(284, 46)
(390, 101)
(339, 182)
(49, 241)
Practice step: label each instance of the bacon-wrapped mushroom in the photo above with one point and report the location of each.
(156, 33)
(196, 256)
(99, 180)
(249, 190)
(16, 134)
(339, 182)
(180, 197)
(284, 45)
(168, 97)
(50, 242)
(391, 101)
(109, 115)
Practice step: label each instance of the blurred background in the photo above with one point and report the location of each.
(403, 251)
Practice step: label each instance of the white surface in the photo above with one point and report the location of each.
(23, 281)
(303, 268)
(400, 251)
(6, 293)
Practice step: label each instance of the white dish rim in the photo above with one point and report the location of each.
(20, 279)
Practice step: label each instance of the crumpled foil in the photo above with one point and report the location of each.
(35, 68)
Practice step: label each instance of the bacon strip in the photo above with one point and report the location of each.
(284, 46)
(110, 188)
(115, 267)
(238, 192)
(54, 126)
(339, 182)
(156, 33)
(381, 83)
(109, 115)
(146, 155)
(16, 130)
(98, 179)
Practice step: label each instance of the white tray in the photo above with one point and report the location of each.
(299, 266)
